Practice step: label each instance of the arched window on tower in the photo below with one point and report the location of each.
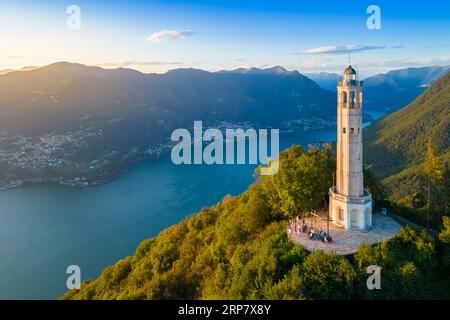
(352, 99)
(344, 97)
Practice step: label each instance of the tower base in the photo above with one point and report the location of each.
(351, 212)
(345, 242)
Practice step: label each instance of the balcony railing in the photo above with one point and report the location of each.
(350, 82)
(367, 197)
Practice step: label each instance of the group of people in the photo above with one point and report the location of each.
(318, 235)
(313, 234)
(297, 227)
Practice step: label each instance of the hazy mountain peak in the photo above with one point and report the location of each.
(26, 68)
(326, 80)
(187, 71)
(64, 64)
(398, 88)
(278, 69)
(255, 70)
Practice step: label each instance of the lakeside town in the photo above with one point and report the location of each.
(58, 158)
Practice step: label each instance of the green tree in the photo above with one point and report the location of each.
(433, 167)
(301, 183)
(444, 238)
(434, 173)
(372, 183)
(288, 288)
(326, 276)
(409, 267)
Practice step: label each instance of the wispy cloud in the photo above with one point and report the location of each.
(326, 64)
(16, 57)
(136, 63)
(343, 49)
(437, 46)
(407, 62)
(169, 35)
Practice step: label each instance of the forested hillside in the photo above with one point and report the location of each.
(395, 147)
(239, 249)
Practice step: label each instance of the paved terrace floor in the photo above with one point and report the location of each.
(347, 242)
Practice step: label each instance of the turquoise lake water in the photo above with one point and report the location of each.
(44, 229)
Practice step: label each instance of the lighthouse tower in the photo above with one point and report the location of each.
(350, 203)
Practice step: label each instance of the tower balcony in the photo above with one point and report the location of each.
(350, 105)
(367, 197)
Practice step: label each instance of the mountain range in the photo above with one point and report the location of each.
(391, 91)
(72, 122)
(396, 89)
(56, 97)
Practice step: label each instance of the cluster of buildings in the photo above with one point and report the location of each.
(32, 153)
(308, 124)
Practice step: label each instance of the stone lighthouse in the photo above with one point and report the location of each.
(350, 203)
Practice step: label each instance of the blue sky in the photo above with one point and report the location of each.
(155, 36)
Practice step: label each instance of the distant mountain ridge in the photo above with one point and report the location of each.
(27, 68)
(326, 80)
(396, 89)
(79, 124)
(391, 91)
(97, 121)
(222, 95)
(273, 70)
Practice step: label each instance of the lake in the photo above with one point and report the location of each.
(45, 228)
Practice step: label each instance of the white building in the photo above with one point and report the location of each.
(350, 203)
